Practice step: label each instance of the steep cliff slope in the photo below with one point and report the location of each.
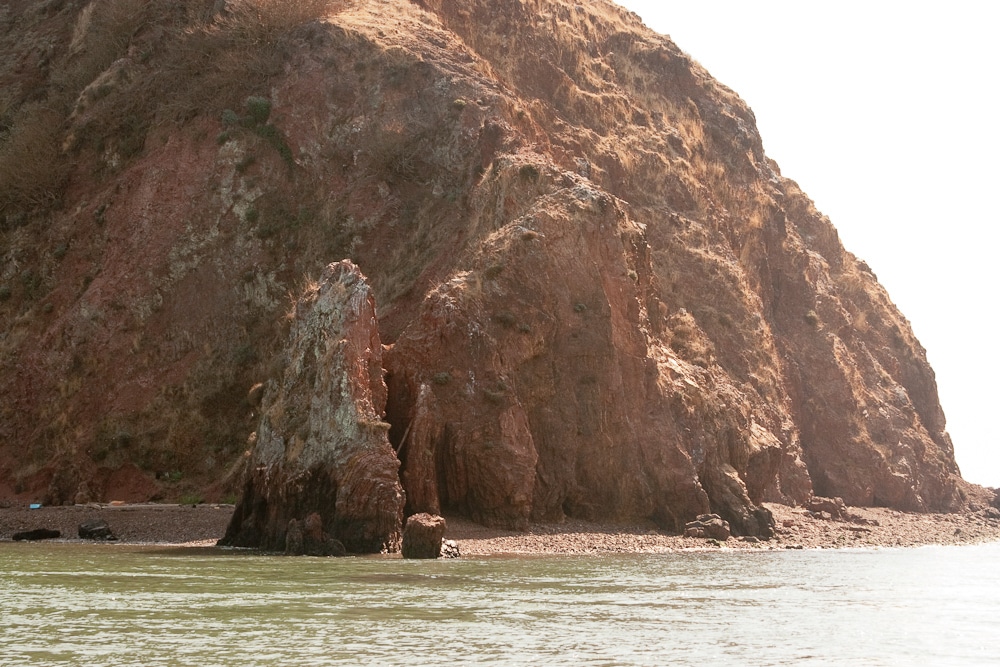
(600, 298)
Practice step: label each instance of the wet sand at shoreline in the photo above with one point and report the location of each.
(202, 525)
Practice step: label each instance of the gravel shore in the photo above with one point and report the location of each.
(202, 525)
(796, 529)
(147, 523)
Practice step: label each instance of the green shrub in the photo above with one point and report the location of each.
(230, 117)
(190, 499)
(506, 318)
(258, 110)
(493, 271)
(33, 171)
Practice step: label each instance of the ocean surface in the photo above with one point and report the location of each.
(72, 604)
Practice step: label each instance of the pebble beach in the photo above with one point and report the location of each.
(202, 525)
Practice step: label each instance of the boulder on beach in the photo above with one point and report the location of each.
(449, 549)
(36, 534)
(422, 536)
(96, 529)
(709, 526)
(827, 508)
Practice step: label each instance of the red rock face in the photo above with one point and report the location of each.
(600, 297)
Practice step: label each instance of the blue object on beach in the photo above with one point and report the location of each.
(34, 506)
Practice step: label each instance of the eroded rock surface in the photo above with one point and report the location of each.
(322, 452)
(602, 299)
(423, 536)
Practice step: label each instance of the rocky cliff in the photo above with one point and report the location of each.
(321, 446)
(598, 296)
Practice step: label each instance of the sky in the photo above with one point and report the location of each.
(886, 115)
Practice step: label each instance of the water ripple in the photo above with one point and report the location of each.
(65, 604)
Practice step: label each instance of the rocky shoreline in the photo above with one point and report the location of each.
(145, 523)
(797, 528)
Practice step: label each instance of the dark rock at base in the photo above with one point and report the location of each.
(334, 547)
(96, 529)
(710, 526)
(423, 535)
(449, 549)
(765, 523)
(294, 540)
(307, 538)
(36, 534)
(317, 541)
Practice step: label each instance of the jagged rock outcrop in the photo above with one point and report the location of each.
(322, 454)
(601, 299)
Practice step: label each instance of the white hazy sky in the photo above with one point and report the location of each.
(886, 114)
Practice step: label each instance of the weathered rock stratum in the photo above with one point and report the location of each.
(598, 297)
(321, 446)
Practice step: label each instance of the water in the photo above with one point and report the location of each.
(71, 604)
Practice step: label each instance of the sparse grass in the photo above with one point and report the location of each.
(493, 395)
(506, 318)
(102, 34)
(244, 164)
(259, 22)
(258, 111)
(493, 271)
(33, 171)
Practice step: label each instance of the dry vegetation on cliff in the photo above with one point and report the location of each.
(601, 299)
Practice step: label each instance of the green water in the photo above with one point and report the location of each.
(72, 604)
